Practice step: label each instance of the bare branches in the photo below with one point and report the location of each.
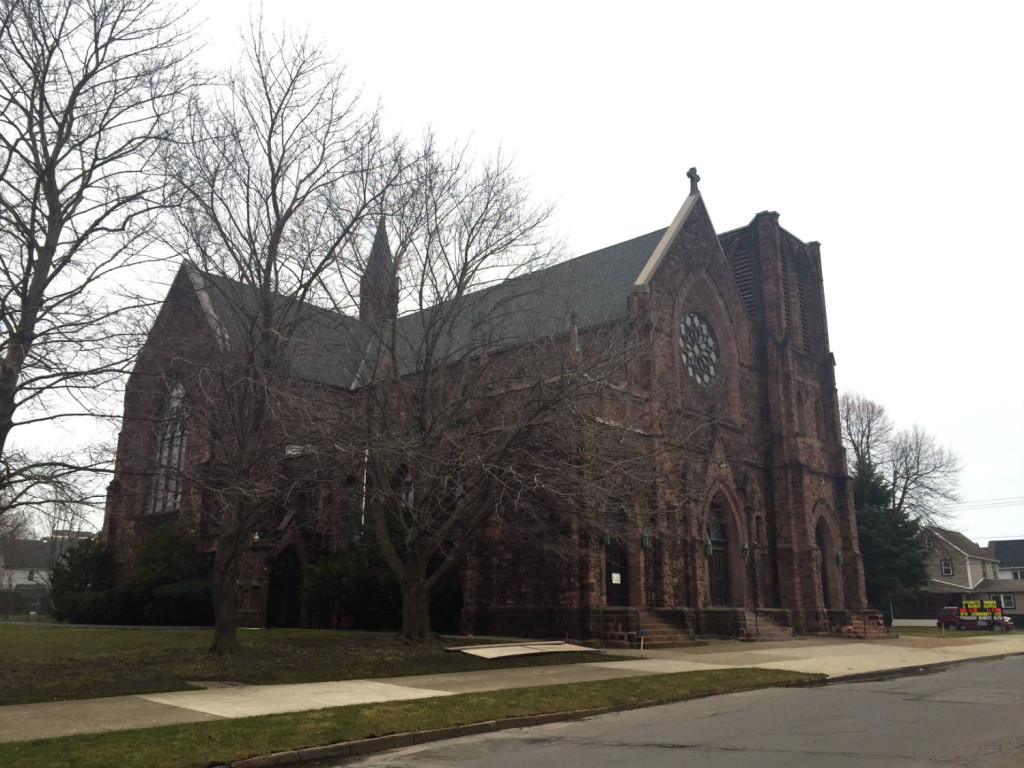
(273, 176)
(88, 90)
(485, 406)
(921, 476)
(276, 170)
(867, 429)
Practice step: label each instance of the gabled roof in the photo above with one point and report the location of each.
(333, 349)
(592, 289)
(24, 553)
(1010, 554)
(1000, 585)
(692, 203)
(960, 542)
(326, 346)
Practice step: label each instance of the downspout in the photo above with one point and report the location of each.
(362, 500)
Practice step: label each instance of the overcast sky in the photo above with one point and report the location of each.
(891, 132)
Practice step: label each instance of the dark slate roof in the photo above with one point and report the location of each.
(24, 553)
(595, 286)
(331, 348)
(957, 539)
(1010, 554)
(326, 347)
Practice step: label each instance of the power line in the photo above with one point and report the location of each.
(1002, 503)
(987, 501)
(988, 506)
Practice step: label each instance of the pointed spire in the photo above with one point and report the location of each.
(380, 253)
(378, 288)
(694, 178)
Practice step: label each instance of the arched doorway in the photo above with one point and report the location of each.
(820, 543)
(829, 560)
(717, 550)
(616, 570)
(284, 608)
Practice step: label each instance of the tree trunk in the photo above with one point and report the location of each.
(226, 565)
(415, 607)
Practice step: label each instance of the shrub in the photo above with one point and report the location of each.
(163, 555)
(83, 590)
(87, 607)
(355, 585)
(184, 604)
(85, 567)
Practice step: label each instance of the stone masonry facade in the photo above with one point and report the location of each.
(730, 390)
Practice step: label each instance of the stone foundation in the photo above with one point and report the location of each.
(543, 622)
(857, 624)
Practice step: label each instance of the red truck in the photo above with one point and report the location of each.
(974, 614)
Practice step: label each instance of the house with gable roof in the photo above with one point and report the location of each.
(753, 530)
(959, 569)
(956, 565)
(24, 576)
(1008, 588)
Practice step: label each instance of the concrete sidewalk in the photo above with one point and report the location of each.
(833, 657)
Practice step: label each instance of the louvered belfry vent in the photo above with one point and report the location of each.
(801, 293)
(784, 303)
(743, 274)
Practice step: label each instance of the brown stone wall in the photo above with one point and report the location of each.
(183, 346)
(761, 444)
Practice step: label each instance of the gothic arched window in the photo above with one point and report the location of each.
(170, 453)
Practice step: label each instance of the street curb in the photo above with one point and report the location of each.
(911, 671)
(398, 740)
(311, 755)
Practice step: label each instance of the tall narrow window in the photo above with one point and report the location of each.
(170, 453)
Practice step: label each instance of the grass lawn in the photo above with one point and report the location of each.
(56, 663)
(202, 744)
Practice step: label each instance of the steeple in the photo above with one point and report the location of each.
(378, 288)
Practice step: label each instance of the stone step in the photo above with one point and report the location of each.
(621, 629)
(764, 628)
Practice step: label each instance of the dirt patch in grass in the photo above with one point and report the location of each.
(52, 664)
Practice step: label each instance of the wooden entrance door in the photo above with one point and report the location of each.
(819, 541)
(616, 573)
(718, 559)
(718, 575)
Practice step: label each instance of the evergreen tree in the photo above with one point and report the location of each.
(890, 540)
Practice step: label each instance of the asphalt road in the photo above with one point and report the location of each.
(969, 715)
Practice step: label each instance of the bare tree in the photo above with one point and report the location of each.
(867, 429)
(88, 90)
(15, 524)
(483, 404)
(274, 177)
(920, 475)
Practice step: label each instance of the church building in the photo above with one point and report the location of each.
(747, 529)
